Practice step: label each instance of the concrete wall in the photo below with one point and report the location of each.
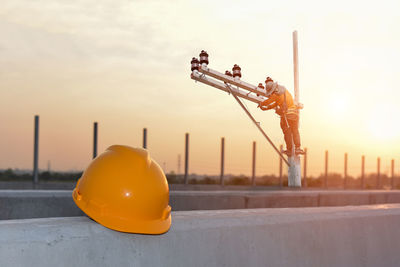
(329, 236)
(42, 185)
(51, 185)
(23, 204)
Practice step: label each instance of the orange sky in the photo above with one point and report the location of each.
(126, 65)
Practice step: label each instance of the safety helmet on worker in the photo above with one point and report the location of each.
(125, 190)
(270, 86)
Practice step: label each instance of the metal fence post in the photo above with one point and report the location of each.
(326, 169)
(145, 138)
(378, 177)
(305, 167)
(280, 167)
(362, 171)
(179, 164)
(186, 158)
(36, 151)
(345, 171)
(392, 174)
(253, 173)
(95, 140)
(222, 160)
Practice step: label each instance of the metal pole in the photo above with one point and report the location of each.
(95, 140)
(145, 138)
(186, 158)
(294, 171)
(362, 171)
(253, 173)
(36, 151)
(326, 169)
(280, 168)
(378, 178)
(345, 171)
(179, 164)
(222, 160)
(392, 174)
(305, 167)
(296, 67)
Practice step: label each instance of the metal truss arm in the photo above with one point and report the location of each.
(225, 78)
(224, 87)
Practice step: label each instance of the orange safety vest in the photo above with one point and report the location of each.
(280, 100)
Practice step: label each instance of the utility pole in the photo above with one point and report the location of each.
(231, 83)
(294, 175)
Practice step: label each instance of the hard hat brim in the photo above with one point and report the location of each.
(126, 225)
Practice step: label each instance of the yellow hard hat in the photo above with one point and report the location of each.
(125, 190)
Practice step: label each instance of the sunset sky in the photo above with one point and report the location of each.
(126, 65)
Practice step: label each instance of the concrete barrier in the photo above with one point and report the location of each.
(24, 204)
(329, 236)
(51, 185)
(41, 185)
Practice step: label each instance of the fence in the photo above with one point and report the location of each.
(325, 182)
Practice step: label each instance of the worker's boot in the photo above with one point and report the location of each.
(299, 151)
(287, 152)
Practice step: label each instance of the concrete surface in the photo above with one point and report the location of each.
(24, 204)
(328, 236)
(42, 185)
(51, 185)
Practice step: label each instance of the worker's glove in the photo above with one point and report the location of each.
(263, 108)
(278, 111)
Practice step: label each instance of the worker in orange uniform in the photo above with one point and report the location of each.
(282, 101)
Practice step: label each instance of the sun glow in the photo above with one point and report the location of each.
(338, 106)
(382, 123)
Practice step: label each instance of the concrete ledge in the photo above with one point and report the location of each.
(334, 236)
(42, 185)
(24, 204)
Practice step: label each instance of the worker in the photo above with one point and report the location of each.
(280, 99)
